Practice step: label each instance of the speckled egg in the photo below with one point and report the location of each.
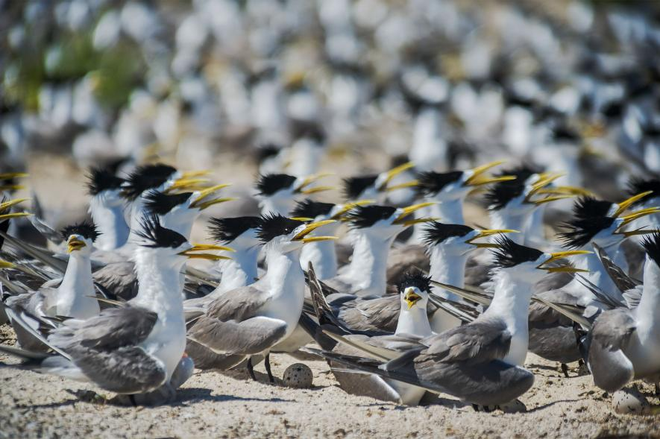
(298, 375)
(630, 402)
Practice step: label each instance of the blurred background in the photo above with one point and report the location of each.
(302, 86)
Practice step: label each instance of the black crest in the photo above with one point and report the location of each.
(501, 194)
(590, 207)
(366, 216)
(228, 229)
(157, 236)
(580, 231)
(431, 183)
(85, 229)
(522, 173)
(564, 133)
(638, 185)
(415, 278)
(436, 232)
(510, 254)
(270, 183)
(275, 225)
(651, 246)
(354, 186)
(311, 209)
(100, 179)
(144, 178)
(267, 151)
(160, 203)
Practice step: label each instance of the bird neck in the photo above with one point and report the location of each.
(413, 321)
(76, 285)
(448, 268)
(648, 310)
(159, 287)
(284, 276)
(110, 222)
(280, 205)
(534, 231)
(368, 268)
(596, 275)
(501, 219)
(323, 256)
(240, 270)
(511, 305)
(449, 211)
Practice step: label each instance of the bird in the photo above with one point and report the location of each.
(106, 208)
(480, 362)
(277, 192)
(413, 325)
(134, 348)
(374, 186)
(72, 296)
(250, 320)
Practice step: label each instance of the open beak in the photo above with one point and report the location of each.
(350, 206)
(75, 244)
(411, 298)
(544, 180)
(195, 174)
(389, 175)
(190, 253)
(486, 233)
(11, 203)
(304, 189)
(407, 211)
(565, 268)
(478, 178)
(624, 205)
(627, 219)
(202, 202)
(188, 184)
(309, 228)
(567, 190)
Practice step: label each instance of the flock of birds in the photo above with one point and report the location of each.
(446, 309)
(407, 299)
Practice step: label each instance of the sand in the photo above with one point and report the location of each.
(216, 405)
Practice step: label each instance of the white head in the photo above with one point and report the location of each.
(80, 239)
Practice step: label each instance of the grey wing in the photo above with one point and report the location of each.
(119, 278)
(478, 342)
(113, 328)
(622, 281)
(399, 343)
(633, 296)
(239, 304)
(380, 314)
(248, 337)
(551, 334)
(608, 339)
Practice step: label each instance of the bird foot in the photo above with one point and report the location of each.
(515, 406)
(183, 372)
(163, 395)
(564, 369)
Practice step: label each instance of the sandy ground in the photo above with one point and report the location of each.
(215, 405)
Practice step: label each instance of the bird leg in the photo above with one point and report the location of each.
(267, 364)
(251, 369)
(564, 369)
(657, 389)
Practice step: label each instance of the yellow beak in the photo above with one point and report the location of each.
(6, 264)
(566, 190)
(624, 205)
(407, 211)
(563, 255)
(389, 175)
(486, 233)
(309, 228)
(192, 184)
(11, 203)
(10, 175)
(7, 216)
(190, 253)
(627, 219)
(407, 184)
(195, 174)
(411, 298)
(350, 206)
(312, 179)
(75, 245)
(544, 180)
(200, 202)
(477, 179)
